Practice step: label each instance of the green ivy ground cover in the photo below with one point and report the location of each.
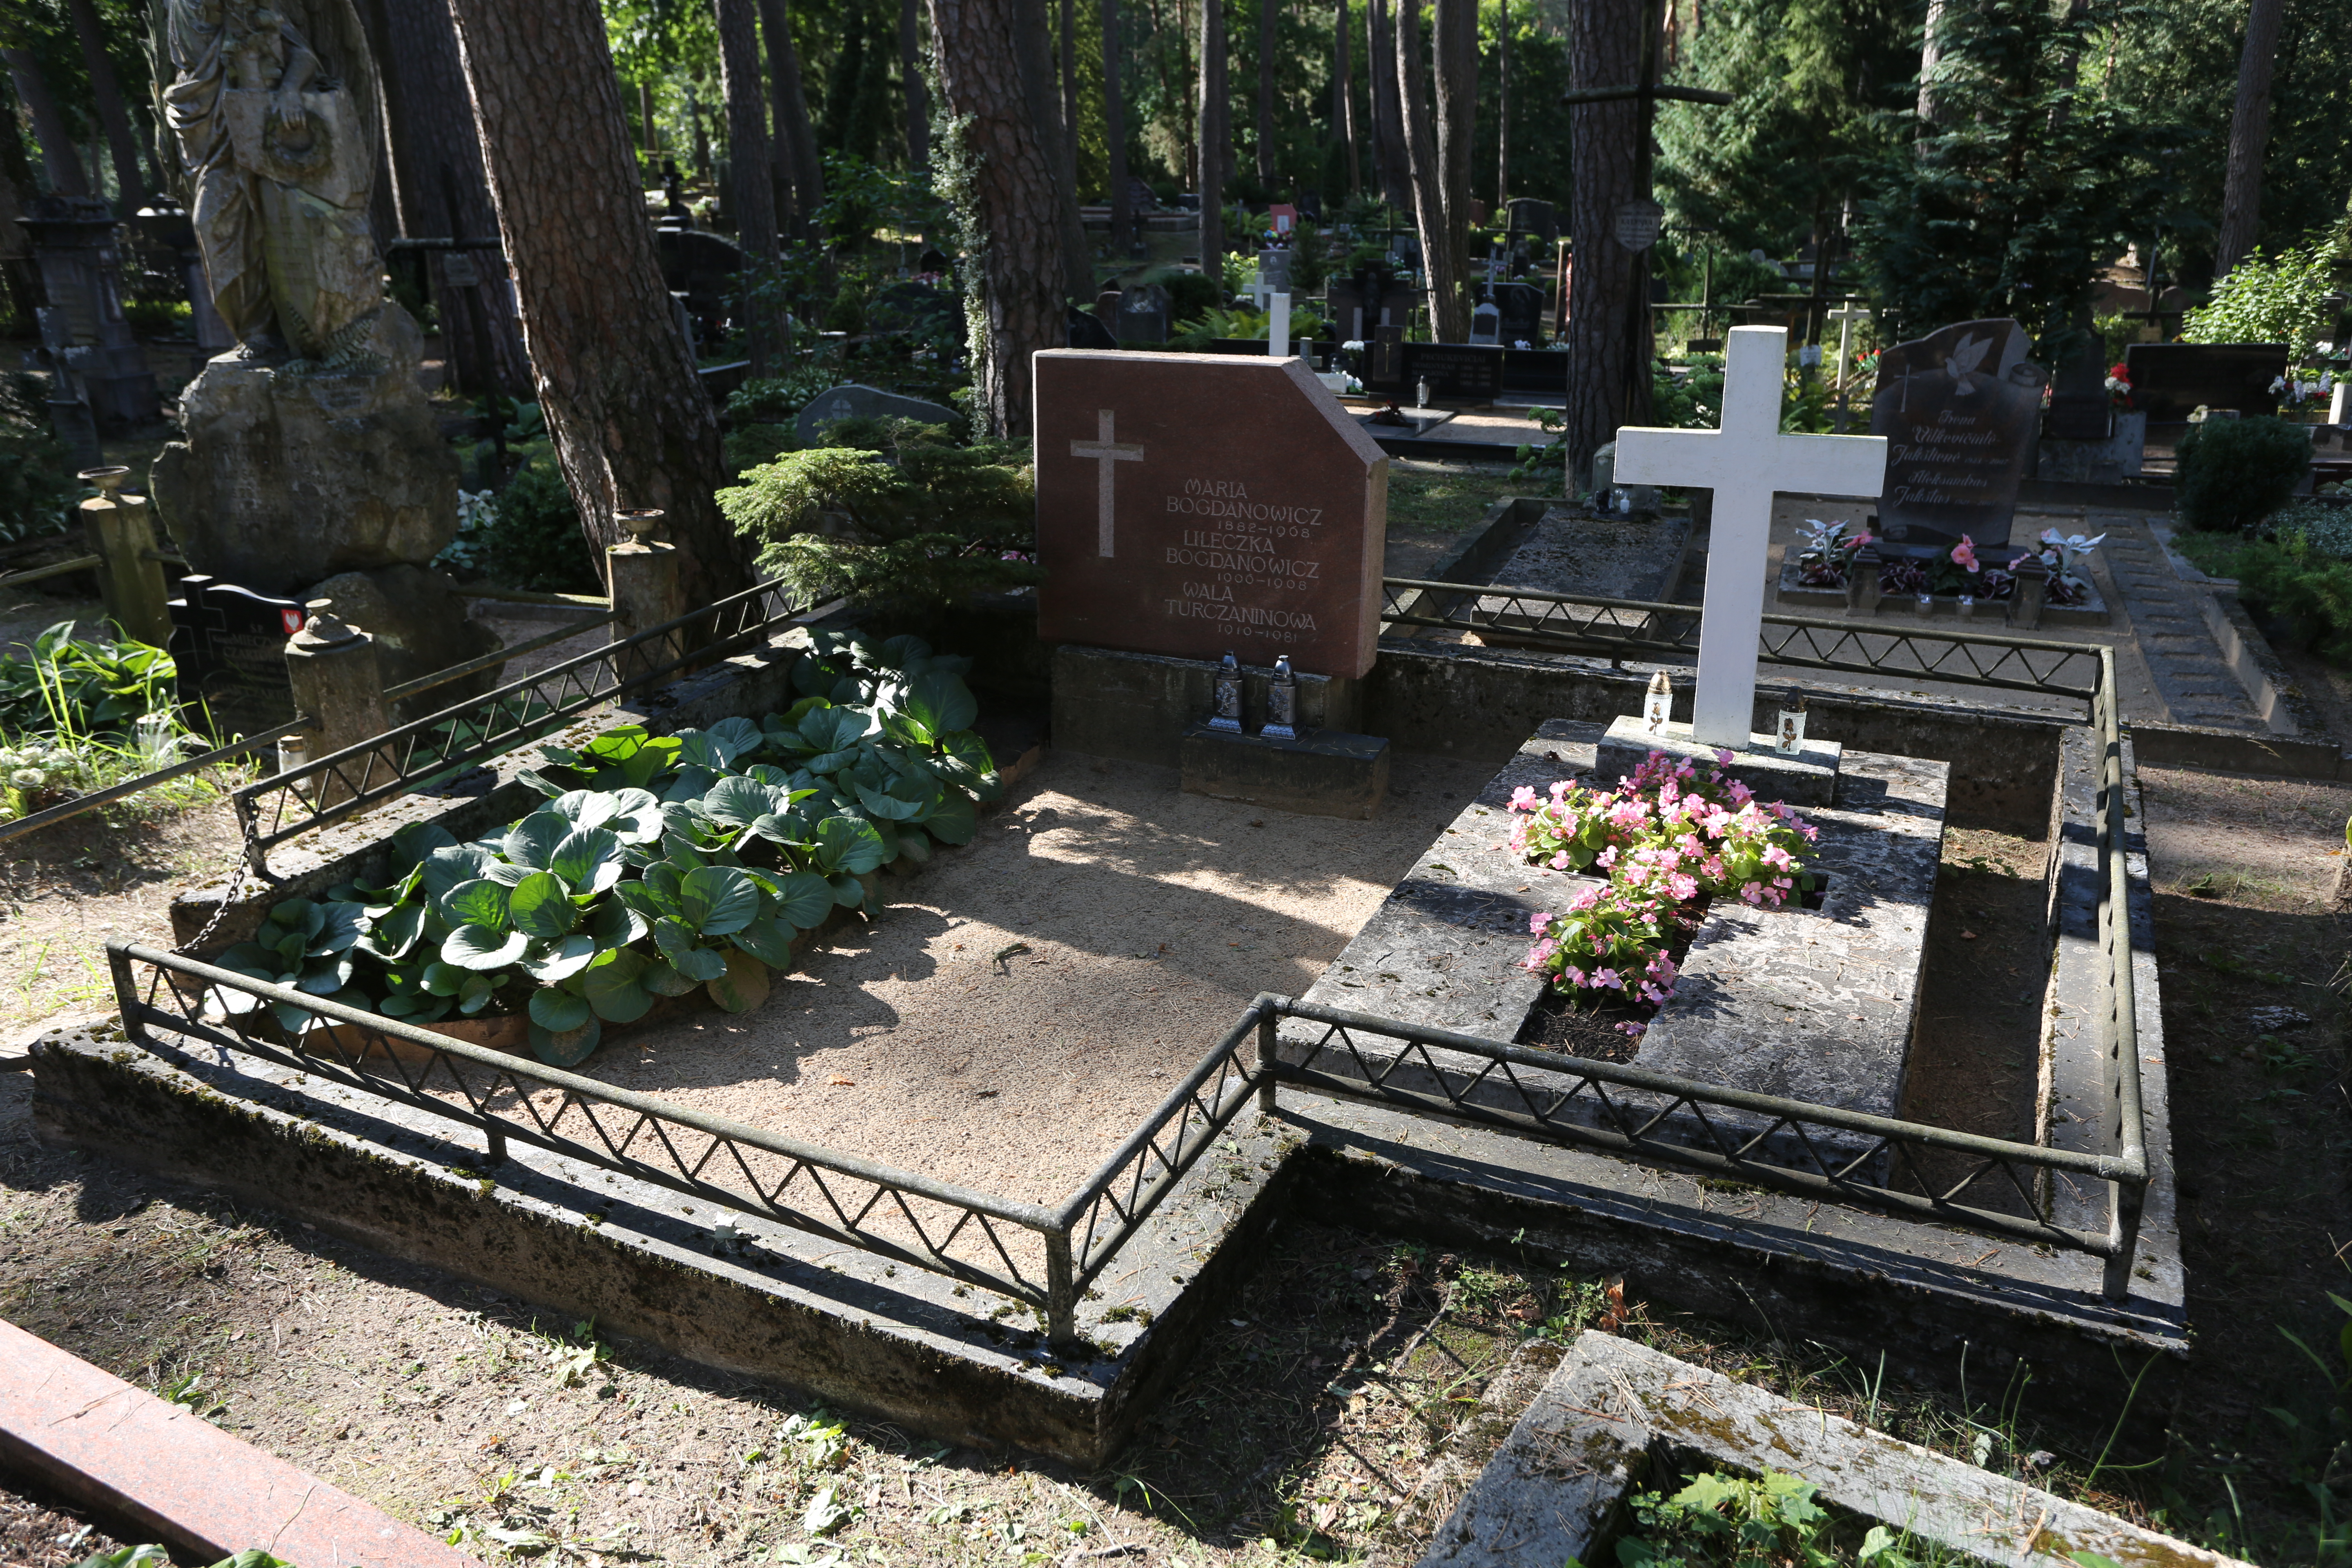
(660, 864)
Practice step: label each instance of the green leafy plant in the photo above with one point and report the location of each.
(530, 538)
(2281, 298)
(35, 481)
(303, 944)
(83, 686)
(2233, 473)
(1736, 1523)
(1241, 321)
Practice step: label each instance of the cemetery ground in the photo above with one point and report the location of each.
(1357, 1382)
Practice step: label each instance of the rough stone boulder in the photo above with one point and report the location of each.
(288, 476)
(420, 627)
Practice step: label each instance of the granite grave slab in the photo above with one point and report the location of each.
(1961, 410)
(855, 401)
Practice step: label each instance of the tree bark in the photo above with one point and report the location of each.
(2250, 134)
(748, 158)
(630, 423)
(1931, 54)
(1122, 210)
(1604, 288)
(1456, 47)
(57, 157)
(21, 278)
(795, 141)
(1391, 169)
(1441, 246)
(1502, 111)
(1002, 163)
(121, 145)
(440, 191)
(1069, 74)
(1034, 60)
(910, 82)
(1216, 146)
(1266, 96)
(1343, 101)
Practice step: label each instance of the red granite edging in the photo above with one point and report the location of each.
(177, 1479)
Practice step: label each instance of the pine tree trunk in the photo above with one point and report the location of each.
(1033, 57)
(1069, 74)
(1216, 108)
(437, 183)
(1604, 50)
(632, 424)
(1440, 250)
(20, 277)
(1391, 169)
(2250, 134)
(1503, 112)
(1931, 54)
(1456, 47)
(795, 141)
(748, 157)
(1002, 163)
(1266, 96)
(57, 158)
(1343, 101)
(1122, 209)
(910, 81)
(121, 145)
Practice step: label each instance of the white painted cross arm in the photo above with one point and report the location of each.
(1745, 463)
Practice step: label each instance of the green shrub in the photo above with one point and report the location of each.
(776, 399)
(531, 538)
(940, 524)
(2233, 473)
(75, 686)
(1188, 294)
(2312, 591)
(2270, 299)
(750, 446)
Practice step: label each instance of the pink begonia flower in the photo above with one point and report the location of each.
(1964, 554)
(1753, 892)
(1560, 790)
(1809, 830)
(1560, 862)
(1572, 975)
(1682, 888)
(1608, 977)
(1585, 899)
(1653, 995)
(1607, 857)
(1538, 921)
(1723, 755)
(1741, 793)
(1634, 1030)
(1523, 799)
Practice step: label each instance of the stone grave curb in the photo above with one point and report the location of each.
(1480, 554)
(168, 1474)
(2278, 699)
(1615, 1415)
(791, 1309)
(2236, 752)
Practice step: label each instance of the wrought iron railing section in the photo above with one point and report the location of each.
(1635, 629)
(1113, 1202)
(1908, 1169)
(1002, 1244)
(446, 744)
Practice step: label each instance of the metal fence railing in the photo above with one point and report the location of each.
(1047, 1256)
(455, 739)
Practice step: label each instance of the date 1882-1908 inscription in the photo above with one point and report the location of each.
(1260, 549)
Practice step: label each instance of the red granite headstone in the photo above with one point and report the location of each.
(1191, 503)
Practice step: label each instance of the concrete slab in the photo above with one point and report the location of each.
(176, 1478)
(1615, 1415)
(1322, 772)
(1807, 776)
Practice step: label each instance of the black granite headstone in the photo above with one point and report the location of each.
(1086, 332)
(2169, 380)
(1530, 216)
(1143, 315)
(225, 634)
(1360, 305)
(1521, 305)
(1384, 367)
(1456, 373)
(1961, 410)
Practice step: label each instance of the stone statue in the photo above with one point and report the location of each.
(272, 107)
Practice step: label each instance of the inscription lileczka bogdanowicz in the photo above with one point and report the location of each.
(1261, 557)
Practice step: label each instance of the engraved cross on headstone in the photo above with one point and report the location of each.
(1745, 463)
(1106, 451)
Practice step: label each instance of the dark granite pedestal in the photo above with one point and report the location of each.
(1323, 772)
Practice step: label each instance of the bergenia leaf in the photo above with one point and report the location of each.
(478, 947)
(533, 839)
(481, 902)
(540, 906)
(716, 899)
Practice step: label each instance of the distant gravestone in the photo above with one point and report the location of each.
(222, 633)
(1530, 216)
(1143, 315)
(1087, 332)
(1385, 365)
(1961, 410)
(2169, 381)
(855, 401)
(1360, 306)
(1191, 503)
(1457, 373)
(1521, 307)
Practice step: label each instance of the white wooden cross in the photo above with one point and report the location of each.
(1105, 452)
(1845, 316)
(1745, 462)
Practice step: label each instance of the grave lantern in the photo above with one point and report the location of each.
(1282, 703)
(1228, 714)
(1790, 735)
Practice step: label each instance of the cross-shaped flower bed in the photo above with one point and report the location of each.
(1668, 841)
(660, 865)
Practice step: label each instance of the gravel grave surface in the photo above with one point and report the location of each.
(1032, 996)
(40, 1535)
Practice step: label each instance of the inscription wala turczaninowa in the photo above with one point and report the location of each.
(1191, 503)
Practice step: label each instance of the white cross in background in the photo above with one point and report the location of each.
(1745, 462)
(1845, 316)
(1105, 452)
